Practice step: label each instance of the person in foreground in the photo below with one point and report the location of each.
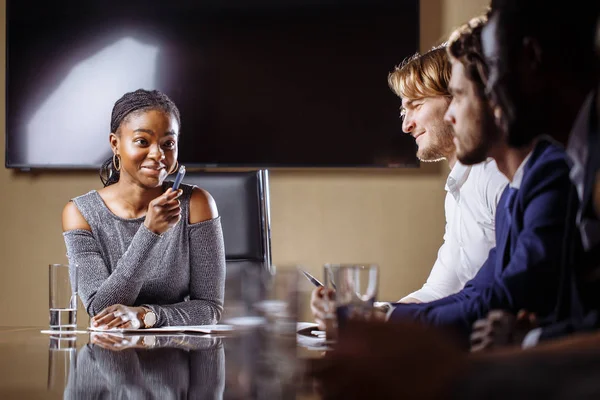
(523, 270)
(473, 191)
(537, 71)
(147, 256)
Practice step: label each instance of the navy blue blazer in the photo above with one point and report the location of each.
(523, 270)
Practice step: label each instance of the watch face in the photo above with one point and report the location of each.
(149, 341)
(149, 319)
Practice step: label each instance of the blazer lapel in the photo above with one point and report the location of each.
(503, 229)
(512, 221)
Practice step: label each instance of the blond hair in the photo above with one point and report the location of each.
(422, 75)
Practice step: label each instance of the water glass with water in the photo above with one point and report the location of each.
(63, 297)
(62, 361)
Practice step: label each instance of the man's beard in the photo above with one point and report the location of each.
(431, 155)
(439, 148)
(477, 154)
(481, 143)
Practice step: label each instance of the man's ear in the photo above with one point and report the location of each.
(114, 142)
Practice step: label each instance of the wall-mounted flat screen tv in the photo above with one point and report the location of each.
(259, 83)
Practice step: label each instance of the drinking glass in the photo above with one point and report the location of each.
(63, 297)
(355, 292)
(62, 361)
(282, 301)
(329, 305)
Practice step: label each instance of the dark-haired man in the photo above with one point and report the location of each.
(545, 81)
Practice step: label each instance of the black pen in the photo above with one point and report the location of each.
(312, 279)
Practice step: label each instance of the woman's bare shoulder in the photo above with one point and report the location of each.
(72, 218)
(202, 206)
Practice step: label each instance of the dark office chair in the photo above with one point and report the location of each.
(243, 202)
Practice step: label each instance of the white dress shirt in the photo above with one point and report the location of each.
(518, 176)
(473, 193)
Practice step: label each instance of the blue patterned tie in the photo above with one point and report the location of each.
(509, 203)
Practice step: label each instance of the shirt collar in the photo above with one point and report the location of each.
(518, 177)
(458, 176)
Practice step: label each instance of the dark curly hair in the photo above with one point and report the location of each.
(565, 32)
(130, 103)
(464, 45)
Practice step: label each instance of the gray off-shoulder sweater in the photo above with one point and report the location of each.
(179, 274)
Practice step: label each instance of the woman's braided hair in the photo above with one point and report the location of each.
(134, 102)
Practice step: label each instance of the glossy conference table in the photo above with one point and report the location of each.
(251, 364)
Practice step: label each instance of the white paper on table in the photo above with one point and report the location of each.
(305, 338)
(171, 329)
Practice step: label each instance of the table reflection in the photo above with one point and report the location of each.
(260, 364)
(148, 367)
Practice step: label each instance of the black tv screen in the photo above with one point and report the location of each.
(259, 83)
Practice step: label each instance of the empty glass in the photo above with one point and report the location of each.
(356, 287)
(281, 305)
(63, 297)
(329, 305)
(245, 285)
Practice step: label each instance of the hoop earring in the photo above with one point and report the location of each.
(174, 169)
(115, 158)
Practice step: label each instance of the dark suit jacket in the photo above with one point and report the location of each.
(523, 270)
(580, 298)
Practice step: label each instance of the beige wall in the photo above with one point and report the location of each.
(392, 217)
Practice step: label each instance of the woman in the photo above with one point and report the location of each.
(147, 256)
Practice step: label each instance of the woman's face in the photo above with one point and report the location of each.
(147, 145)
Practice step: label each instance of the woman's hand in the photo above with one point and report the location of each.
(116, 342)
(163, 212)
(120, 317)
